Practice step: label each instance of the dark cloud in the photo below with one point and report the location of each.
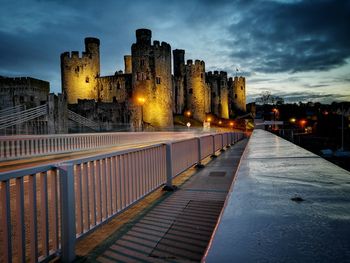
(255, 36)
(292, 37)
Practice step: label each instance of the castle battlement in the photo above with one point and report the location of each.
(221, 74)
(75, 55)
(24, 81)
(162, 46)
(239, 79)
(198, 64)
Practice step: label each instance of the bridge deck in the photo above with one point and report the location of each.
(173, 226)
(286, 205)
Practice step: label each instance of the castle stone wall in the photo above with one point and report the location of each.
(27, 91)
(152, 80)
(219, 93)
(127, 64)
(115, 88)
(237, 93)
(79, 73)
(196, 89)
(179, 81)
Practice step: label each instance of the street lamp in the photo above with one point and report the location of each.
(275, 112)
(141, 101)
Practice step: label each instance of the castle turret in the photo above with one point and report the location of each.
(152, 79)
(92, 46)
(237, 93)
(143, 36)
(128, 64)
(179, 80)
(219, 93)
(196, 89)
(79, 73)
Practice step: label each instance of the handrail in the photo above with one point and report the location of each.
(23, 146)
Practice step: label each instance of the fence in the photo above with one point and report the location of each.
(45, 209)
(21, 146)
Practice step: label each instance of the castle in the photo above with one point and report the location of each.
(147, 90)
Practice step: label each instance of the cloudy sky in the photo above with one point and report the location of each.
(296, 49)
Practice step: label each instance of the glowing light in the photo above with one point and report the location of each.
(220, 122)
(231, 123)
(293, 120)
(302, 123)
(141, 100)
(188, 113)
(208, 119)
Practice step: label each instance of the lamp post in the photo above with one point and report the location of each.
(141, 101)
(275, 112)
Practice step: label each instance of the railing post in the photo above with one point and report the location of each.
(67, 212)
(213, 154)
(222, 143)
(169, 169)
(229, 139)
(199, 163)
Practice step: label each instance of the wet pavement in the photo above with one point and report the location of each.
(286, 205)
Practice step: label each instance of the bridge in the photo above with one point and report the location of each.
(99, 198)
(43, 116)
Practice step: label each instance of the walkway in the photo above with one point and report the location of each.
(286, 205)
(178, 226)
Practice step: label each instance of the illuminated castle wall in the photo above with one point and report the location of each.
(147, 75)
(151, 79)
(219, 93)
(196, 89)
(79, 73)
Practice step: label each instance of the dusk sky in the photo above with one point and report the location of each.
(299, 50)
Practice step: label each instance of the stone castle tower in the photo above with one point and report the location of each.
(197, 91)
(79, 73)
(237, 94)
(179, 81)
(152, 79)
(219, 93)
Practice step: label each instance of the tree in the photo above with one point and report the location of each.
(267, 98)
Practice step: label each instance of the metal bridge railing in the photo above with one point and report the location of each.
(10, 110)
(45, 209)
(14, 118)
(23, 146)
(83, 121)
